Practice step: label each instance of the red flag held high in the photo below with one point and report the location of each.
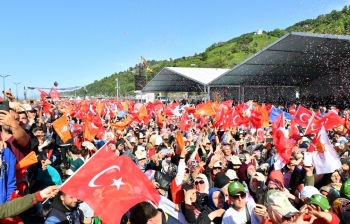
(54, 94)
(302, 116)
(185, 122)
(291, 109)
(112, 187)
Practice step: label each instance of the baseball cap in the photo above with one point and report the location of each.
(159, 140)
(308, 191)
(88, 145)
(235, 160)
(320, 200)
(140, 154)
(235, 187)
(218, 164)
(232, 175)
(279, 203)
(132, 140)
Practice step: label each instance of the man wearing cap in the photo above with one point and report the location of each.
(215, 166)
(242, 210)
(318, 207)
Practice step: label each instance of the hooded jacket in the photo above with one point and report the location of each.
(7, 175)
(61, 214)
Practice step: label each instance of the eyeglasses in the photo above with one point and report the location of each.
(217, 168)
(239, 196)
(199, 182)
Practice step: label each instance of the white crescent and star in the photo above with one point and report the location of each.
(116, 183)
(301, 116)
(234, 120)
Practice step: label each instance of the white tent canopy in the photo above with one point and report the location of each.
(180, 79)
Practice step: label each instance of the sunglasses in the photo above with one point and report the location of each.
(287, 218)
(235, 180)
(217, 168)
(239, 196)
(199, 182)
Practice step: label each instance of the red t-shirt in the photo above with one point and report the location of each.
(335, 220)
(19, 151)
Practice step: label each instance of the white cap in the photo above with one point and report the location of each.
(235, 160)
(231, 174)
(132, 140)
(279, 203)
(88, 145)
(159, 140)
(140, 154)
(218, 164)
(308, 191)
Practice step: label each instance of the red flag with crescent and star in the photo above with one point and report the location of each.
(302, 116)
(110, 185)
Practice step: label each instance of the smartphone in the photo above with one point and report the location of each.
(5, 105)
(269, 139)
(203, 159)
(307, 159)
(165, 151)
(260, 199)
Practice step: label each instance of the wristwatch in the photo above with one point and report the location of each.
(182, 157)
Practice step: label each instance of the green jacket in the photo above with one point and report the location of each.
(17, 206)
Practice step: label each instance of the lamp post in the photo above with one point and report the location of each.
(3, 82)
(117, 87)
(16, 83)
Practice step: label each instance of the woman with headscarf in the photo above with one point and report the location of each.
(341, 207)
(213, 212)
(254, 183)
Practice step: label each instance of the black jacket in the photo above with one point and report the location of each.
(203, 218)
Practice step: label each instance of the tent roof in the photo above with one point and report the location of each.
(179, 79)
(293, 60)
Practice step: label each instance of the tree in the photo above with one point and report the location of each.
(204, 56)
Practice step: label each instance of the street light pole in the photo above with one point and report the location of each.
(16, 83)
(3, 78)
(117, 87)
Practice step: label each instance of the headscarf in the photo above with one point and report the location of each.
(206, 183)
(259, 177)
(143, 168)
(342, 203)
(210, 199)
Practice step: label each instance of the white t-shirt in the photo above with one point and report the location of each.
(232, 216)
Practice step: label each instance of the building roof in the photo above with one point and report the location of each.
(295, 59)
(180, 79)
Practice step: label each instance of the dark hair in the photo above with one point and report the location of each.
(39, 128)
(74, 150)
(142, 212)
(23, 112)
(46, 208)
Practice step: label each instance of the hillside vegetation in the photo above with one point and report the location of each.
(223, 54)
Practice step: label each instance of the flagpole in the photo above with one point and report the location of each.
(312, 117)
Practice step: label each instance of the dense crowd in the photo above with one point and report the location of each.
(220, 174)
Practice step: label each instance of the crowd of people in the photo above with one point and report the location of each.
(221, 175)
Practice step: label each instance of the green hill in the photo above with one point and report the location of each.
(222, 54)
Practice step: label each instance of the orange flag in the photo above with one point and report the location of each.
(142, 113)
(21, 168)
(180, 143)
(122, 125)
(206, 109)
(125, 105)
(87, 135)
(61, 126)
(99, 109)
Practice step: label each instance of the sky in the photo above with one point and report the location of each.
(77, 42)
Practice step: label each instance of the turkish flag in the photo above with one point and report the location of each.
(294, 131)
(55, 96)
(302, 116)
(110, 185)
(61, 126)
(329, 121)
(291, 109)
(260, 134)
(281, 141)
(256, 118)
(43, 94)
(185, 122)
